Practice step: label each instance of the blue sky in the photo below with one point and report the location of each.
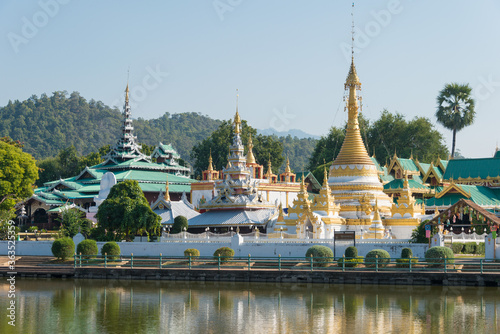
(287, 58)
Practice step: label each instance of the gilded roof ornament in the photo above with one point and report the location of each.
(250, 156)
(167, 195)
(287, 169)
(210, 166)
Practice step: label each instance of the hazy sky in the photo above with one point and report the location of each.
(289, 59)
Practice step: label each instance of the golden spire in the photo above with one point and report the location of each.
(325, 177)
(376, 215)
(281, 218)
(167, 195)
(250, 156)
(126, 94)
(269, 168)
(287, 169)
(353, 150)
(210, 167)
(237, 119)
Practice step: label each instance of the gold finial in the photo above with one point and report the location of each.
(250, 156)
(325, 177)
(210, 167)
(167, 195)
(436, 211)
(411, 155)
(287, 169)
(405, 183)
(237, 119)
(126, 94)
(269, 168)
(281, 217)
(352, 33)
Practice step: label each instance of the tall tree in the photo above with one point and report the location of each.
(18, 173)
(455, 109)
(126, 212)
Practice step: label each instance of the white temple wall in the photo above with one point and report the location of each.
(265, 247)
(197, 195)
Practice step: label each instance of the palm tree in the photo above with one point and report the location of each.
(455, 109)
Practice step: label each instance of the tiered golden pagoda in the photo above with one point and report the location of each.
(377, 229)
(353, 175)
(257, 170)
(210, 174)
(287, 176)
(407, 206)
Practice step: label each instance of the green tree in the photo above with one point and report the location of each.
(455, 109)
(218, 143)
(126, 211)
(180, 223)
(18, 173)
(73, 221)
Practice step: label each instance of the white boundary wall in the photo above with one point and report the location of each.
(242, 247)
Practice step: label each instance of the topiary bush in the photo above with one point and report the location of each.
(480, 248)
(435, 256)
(383, 258)
(112, 250)
(406, 253)
(405, 263)
(457, 247)
(180, 223)
(469, 248)
(351, 252)
(349, 263)
(87, 247)
(225, 254)
(193, 252)
(322, 255)
(63, 248)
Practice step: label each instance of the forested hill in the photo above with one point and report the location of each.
(45, 125)
(48, 124)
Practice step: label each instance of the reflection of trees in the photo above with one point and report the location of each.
(319, 301)
(223, 301)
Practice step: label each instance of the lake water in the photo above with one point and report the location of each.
(98, 306)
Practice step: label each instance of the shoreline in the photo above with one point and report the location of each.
(392, 277)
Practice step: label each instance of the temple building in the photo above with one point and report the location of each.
(241, 196)
(125, 161)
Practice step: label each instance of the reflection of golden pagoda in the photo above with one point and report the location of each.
(354, 177)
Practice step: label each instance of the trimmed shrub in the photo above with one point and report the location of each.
(469, 248)
(349, 263)
(435, 256)
(405, 263)
(180, 223)
(87, 247)
(193, 252)
(225, 254)
(112, 250)
(351, 252)
(63, 248)
(322, 255)
(457, 247)
(406, 253)
(480, 248)
(383, 258)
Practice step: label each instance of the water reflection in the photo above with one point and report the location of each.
(94, 306)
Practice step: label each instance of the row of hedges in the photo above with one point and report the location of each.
(64, 248)
(468, 248)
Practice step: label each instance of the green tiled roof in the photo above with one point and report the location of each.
(444, 163)
(408, 164)
(425, 167)
(376, 164)
(480, 195)
(417, 178)
(438, 172)
(474, 168)
(398, 184)
(307, 174)
(150, 176)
